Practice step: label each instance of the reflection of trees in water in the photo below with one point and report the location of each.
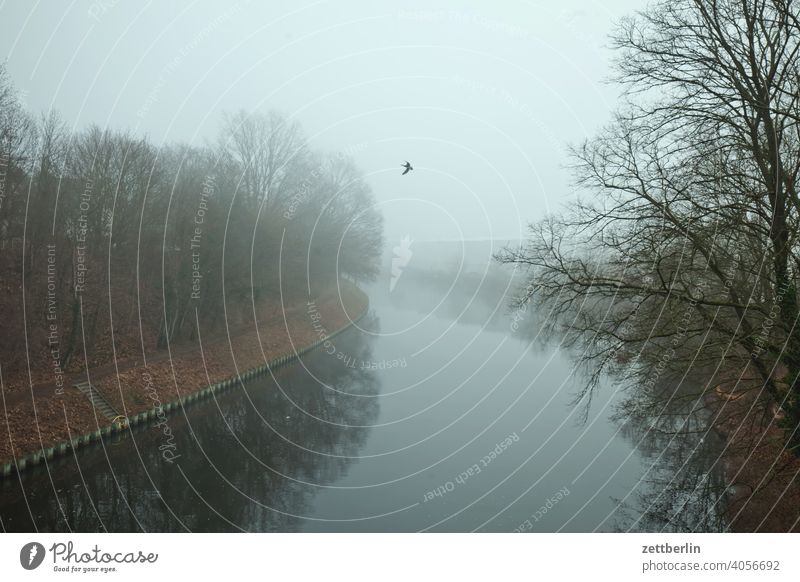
(666, 416)
(683, 488)
(283, 441)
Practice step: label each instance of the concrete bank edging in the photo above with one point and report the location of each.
(62, 448)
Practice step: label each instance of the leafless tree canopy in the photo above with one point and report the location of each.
(156, 240)
(683, 253)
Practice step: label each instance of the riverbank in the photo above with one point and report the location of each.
(46, 414)
(763, 478)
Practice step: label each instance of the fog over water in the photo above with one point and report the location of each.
(432, 414)
(252, 179)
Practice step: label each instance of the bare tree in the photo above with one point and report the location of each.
(265, 146)
(144, 239)
(17, 155)
(684, 254)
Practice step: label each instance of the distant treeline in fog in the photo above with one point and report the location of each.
(478, 295)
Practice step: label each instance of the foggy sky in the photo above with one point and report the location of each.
(482, 98)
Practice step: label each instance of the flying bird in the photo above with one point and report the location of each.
(407, 167)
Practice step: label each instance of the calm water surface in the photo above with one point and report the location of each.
(418, 420)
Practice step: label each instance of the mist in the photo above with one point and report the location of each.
(482, 102)
(354, 266)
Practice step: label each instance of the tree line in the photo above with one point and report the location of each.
(140, 245)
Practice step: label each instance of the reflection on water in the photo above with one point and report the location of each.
(683, 488)
(249, 461)
(422, 418)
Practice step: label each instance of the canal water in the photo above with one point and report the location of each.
(423, 417)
